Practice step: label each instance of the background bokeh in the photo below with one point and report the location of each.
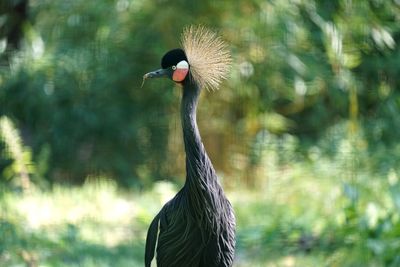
(303, 134)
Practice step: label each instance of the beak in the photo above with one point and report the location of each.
(156, 74)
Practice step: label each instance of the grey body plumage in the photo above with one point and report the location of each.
(197, 227)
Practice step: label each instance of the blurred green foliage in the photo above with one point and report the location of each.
(307, 117)
(72, 85)
(310, 214)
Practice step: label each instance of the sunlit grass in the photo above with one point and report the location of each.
(96, 216)
(292, 218)
(99, 225)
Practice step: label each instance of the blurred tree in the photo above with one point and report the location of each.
(301, 67)
(13, 17)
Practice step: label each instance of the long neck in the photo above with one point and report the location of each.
(199, 169)
(204, 194)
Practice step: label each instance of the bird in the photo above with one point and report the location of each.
(196, 228)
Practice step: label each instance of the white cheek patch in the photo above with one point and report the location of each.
(182, 69)
(182, 65)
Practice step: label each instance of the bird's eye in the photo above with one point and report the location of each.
(174, 67)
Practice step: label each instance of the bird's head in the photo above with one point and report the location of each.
(174, 65)
(204, 58)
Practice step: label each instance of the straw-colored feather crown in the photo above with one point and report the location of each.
(208, 56)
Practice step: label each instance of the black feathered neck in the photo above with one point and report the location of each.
(193, 146)
(199, 169)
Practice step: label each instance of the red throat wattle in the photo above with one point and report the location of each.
(179, 75)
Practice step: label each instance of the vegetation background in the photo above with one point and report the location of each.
(304, 133)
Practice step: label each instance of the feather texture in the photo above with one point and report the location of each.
(208, 56)
(196, 227)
